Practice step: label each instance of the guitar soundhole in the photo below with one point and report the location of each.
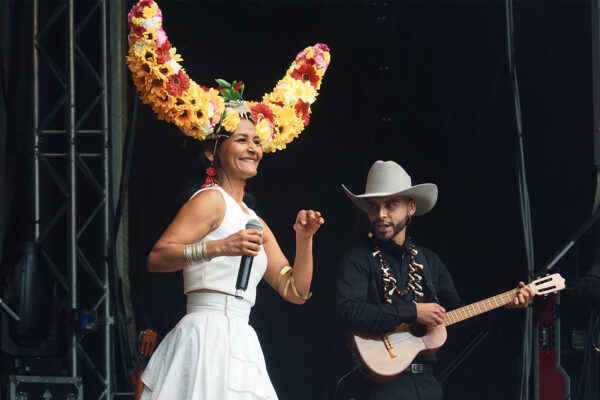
(418, 330)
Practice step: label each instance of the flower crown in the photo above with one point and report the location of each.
(200, 111)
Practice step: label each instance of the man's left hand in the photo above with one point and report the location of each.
(523, 298)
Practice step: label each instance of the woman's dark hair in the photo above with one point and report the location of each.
(199, 163)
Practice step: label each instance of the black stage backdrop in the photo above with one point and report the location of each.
(423, 83)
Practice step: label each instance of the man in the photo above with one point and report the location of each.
(388, 280)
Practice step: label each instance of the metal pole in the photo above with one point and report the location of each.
(595, 22)
(527, 345)
(107, 211)
(36, 126)
(72, 168)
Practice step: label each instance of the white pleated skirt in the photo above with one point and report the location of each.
(212, 353)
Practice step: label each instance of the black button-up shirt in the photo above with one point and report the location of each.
(362, 308)
(360, 301)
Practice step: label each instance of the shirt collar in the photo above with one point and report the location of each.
(394, 249)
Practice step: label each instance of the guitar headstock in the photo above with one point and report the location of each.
(547, 284)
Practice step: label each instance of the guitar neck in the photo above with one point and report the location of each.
(480, 307)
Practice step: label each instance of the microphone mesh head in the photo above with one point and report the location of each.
(254, 224)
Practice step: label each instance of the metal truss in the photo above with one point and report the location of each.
(72, 181)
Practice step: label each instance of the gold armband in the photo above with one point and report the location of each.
(290, 282)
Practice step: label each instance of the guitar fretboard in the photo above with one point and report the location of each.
(485, 305)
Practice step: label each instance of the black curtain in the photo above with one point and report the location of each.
(4, 14)
(16, 136)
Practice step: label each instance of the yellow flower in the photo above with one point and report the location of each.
(277, 143)
(196, 132)
(157, 85)
(231, 121)
(183, 119)
(150, 11)
(135, 21)
(174, 56)
(163, 71)
(200, 104)
(300, 90)
(137, 65)
(264, 131)
(288, 125)
(164, 102)
(139, 47)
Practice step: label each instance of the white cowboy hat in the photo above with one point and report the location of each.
(386, 178)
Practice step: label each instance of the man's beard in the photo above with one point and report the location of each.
(397, 228)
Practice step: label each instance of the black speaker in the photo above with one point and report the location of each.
(32, 296)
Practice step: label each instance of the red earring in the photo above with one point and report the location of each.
(211, 177)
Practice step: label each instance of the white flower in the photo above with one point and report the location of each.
(150, 23)
(205, 127)
(174, 65)
(139, 46)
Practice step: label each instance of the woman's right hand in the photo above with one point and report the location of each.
(245, 242)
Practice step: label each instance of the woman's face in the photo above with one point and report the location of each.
(240, 154)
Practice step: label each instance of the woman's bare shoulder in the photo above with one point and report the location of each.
(206, 202)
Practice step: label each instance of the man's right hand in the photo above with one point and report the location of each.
(431, 314)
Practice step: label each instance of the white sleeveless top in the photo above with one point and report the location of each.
(220, 273)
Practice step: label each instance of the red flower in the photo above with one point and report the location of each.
(178, 83)
(321, 46)
(303, 111)
(145, 3)
(263, 111)
(306, 73)
(136, 12)
(138, 30)
(162, 52)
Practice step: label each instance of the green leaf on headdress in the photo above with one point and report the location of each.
(228, 91)
(223, 83)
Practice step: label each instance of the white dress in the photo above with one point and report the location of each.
(213, 353)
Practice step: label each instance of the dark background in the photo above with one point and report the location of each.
(425, 84)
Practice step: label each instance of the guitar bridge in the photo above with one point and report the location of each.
(388, 345)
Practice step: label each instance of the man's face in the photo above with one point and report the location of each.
(388, 216)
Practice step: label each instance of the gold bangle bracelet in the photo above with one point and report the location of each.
(284, 270)
(290, 282)
(195, 253)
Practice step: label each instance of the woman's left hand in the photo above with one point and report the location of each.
(308, 223)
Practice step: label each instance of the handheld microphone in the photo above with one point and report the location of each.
(245, 265)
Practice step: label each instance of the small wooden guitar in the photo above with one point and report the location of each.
(382, 357)
(147, 341)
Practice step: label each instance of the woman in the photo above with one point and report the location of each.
(217, 216)
(212, 353)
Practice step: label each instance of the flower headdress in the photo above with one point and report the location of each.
(202, 112)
